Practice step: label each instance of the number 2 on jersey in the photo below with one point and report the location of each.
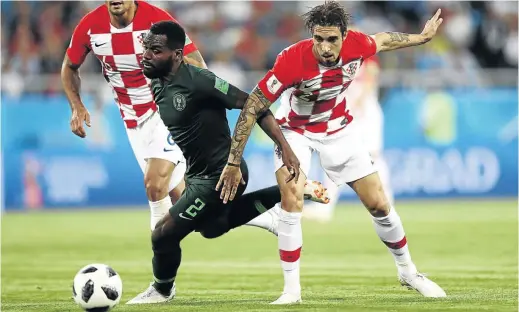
(195, 208)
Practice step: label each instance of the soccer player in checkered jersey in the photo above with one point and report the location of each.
(362, 96)
(313, 75)
(114, 32)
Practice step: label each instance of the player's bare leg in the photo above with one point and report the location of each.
(383, 172)
(159, 184)
(389, 228)
(290, 235)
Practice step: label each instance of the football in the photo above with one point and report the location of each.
(97, 288)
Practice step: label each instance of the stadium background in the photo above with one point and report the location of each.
(450, 106)
(450, 134)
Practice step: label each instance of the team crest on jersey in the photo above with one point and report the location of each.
(350, 69)
(141, 37)
(179, 102)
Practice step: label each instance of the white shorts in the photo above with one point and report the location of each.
(342, 155)
(151, 139)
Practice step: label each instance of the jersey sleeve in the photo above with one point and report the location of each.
(214, 87)
(281, 77)
(366, 45)
(79, 46)
(162, 15)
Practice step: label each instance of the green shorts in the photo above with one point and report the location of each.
(200, 203)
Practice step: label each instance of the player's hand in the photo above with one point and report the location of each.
(432, 25)
(80, 115)
(229, 180)
(291, 161)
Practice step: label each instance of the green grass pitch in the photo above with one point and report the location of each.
(469, 248)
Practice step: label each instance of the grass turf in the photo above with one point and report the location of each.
(469, 248)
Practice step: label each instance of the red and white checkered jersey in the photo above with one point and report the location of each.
(120, 53)
(314, 100)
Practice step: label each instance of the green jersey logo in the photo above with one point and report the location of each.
(179, 102)
(221, 85)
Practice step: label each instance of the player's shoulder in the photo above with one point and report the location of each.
(356, 44)
(355, 36)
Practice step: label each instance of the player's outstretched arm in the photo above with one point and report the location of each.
(72, 85)
(389, 41)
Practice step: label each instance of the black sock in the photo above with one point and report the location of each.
(166, 261)
(249, 206)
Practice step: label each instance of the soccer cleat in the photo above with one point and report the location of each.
(274, 213)
(287, 298)
(422, 284)
(315, 191)
(151, 295)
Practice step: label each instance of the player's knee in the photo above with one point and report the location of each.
(213, 232)
(377, 204)
(158, 239)
(163, 236)
(156, 186)
(216, 229)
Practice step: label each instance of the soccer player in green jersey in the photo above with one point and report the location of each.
(192, 103)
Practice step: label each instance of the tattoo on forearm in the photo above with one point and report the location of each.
(398, 37)
(255, 106)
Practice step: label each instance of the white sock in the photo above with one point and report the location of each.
(391, 232)
(159, 209)
(290, 242)
(266, 220)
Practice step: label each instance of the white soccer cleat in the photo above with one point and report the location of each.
(422, 284)
(274, 213)
(151, 295)
(315, 191)
(287, 298)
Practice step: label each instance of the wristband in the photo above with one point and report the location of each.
(232, 165)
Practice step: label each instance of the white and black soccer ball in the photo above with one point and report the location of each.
(97, 288)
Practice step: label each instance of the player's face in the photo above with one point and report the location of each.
(120, 7)
(158, 59)
(327, 44)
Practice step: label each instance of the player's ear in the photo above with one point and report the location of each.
(179, 54)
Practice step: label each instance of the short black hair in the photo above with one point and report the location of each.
(331, 13)
(175, 34)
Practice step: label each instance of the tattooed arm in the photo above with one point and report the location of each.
(389, 41)
(255, 106)
(195, 58)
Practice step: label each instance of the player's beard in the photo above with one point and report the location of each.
(328, 62)
(160, 69)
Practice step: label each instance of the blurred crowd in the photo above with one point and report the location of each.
(237, 37)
